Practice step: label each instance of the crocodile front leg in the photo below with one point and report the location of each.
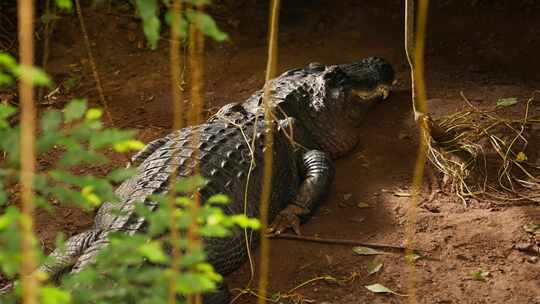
(317, 170)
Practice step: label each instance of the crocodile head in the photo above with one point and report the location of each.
(339, 98)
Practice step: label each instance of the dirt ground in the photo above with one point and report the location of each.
(487, 51)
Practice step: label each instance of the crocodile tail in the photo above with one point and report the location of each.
(62, 259)
(89, 255)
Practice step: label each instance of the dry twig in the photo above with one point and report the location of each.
(93, 63)
(347, 242)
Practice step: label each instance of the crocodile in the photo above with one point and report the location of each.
(317, 112)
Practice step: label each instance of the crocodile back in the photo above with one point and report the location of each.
(224, 155)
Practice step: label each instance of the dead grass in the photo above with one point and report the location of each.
(481, 154)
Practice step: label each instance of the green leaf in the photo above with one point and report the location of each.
(214, 231)
(78, 156)
(51, 120)
(245, 222)
(8, 61)
(3, 195)
(121, 174)
(5, 79)
(10, 257)
(41, 202)
(378, 288)
(89, 195)
(10, 65)
(480, 275)
(123, 140)
(183, 201)
(190, 283)
(507, 102)
(53, 295)
(10, 143)
(154, 252)
(158, 220)
(64, 177)
(74, 110)
(36, 76)
(147, 8)
(93, 114)
(215, 219)
(190, 184)
(209, 271)
(128, 145)
(218, 199)
(151, 28)
(6, 111)
(64, 195)
(182, 24)
(361, 250)
(374, 267)
(183, 219)
(194, 257)
(207, 25)
(64, 4)
(48, 140)
(151, 25)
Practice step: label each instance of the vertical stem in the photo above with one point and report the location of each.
(46, 36)
(196, 47)
(92, 62)
(420, 106)
(30, 283)
(268, 149)
(174, 53)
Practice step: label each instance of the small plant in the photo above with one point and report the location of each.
(133, 268)
(77, 137)
(148, 11)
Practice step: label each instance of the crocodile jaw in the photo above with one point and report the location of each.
(381, 92)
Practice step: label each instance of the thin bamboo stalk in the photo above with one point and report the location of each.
(196, 48)
(177, 99)
(29, 282)
(419, 105)
(268, 149)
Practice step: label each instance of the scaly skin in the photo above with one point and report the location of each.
(318, 110)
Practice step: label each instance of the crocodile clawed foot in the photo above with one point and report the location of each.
(286, 219)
